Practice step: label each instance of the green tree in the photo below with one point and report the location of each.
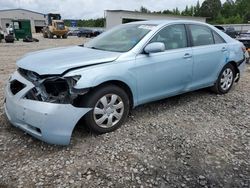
(232, 11)
(144, 10)
(243, 9)
(99, 22)
(176, 11)
(228, 9)
(167, 12)
(197, 9)
(210, 9)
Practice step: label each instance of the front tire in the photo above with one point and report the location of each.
(50, 35)
(45, 35)
(110, 108)
(225, 80)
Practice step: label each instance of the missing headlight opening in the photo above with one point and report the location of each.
(16, 86)
(53, 89)
(56, 87)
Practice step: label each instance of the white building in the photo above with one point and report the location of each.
(37, 20)
(117, 17)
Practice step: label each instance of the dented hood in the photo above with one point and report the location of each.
(59, 60)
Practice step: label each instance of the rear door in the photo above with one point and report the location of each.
(209, 52)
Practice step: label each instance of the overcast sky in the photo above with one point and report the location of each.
(85, 9)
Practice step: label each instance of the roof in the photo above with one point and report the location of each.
(22, 10)
(164, 22)
(154, 14)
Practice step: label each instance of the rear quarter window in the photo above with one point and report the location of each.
(217, 38)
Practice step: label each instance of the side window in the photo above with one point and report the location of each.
(217, 38)
(201, 35)
(173, 37)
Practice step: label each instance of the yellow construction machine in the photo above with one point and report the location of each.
(55, 27)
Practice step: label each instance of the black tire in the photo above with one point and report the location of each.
(45, 35)
(1, 37)
(35, 40)
(58, 36)
(91, 100)
(9, 39)
(50, 35)
(218, 86)
(248, 60)
(65, 36)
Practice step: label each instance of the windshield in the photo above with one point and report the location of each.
(120, 39)
(60, 25)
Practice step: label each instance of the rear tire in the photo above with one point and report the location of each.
(225, 80)
(110, 108)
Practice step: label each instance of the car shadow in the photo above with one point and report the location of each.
(81, 131)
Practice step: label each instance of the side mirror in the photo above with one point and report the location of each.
(154, 47)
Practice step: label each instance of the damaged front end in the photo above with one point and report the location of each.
(43, 106)
(52, 88)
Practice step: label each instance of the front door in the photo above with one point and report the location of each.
(165, 73)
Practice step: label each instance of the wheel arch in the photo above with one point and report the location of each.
(117, 83)
(237, 71)
(122, 85)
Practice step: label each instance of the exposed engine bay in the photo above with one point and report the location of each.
(52, 88)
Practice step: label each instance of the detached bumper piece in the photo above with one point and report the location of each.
(50, 122)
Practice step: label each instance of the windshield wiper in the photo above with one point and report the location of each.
(95, 48)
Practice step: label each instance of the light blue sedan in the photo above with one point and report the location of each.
(132, 64)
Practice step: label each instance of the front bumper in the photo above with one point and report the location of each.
(49, 122)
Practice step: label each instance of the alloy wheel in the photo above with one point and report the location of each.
(226, 79)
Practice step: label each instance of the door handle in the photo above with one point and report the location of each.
(223, 49)
(187, 55)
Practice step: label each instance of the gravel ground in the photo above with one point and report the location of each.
(197, 139)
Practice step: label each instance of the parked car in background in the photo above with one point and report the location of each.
(97, 32)
(245, 39)
(231, 32)
(129, 65)
(73, 32)
(88, 32)
(85, 33)
(220, 28)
